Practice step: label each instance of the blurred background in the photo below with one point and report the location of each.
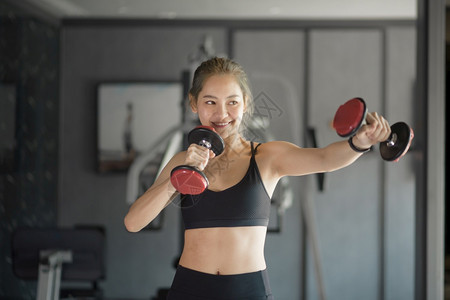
(89, 87)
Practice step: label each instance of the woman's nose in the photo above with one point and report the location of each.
(222, 111)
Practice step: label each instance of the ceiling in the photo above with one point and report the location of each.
(225, 9)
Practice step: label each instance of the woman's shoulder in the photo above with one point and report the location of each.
(272, 147)
(269, 156)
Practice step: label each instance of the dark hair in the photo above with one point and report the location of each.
(222, 66)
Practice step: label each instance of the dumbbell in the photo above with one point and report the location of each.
(352, 115)
(189, 180)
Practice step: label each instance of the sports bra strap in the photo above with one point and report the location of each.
(254, 148)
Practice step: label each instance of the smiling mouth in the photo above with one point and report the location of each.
(220, 125)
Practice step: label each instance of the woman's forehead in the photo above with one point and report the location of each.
(222, 84)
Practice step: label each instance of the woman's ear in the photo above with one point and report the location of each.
(192, 103)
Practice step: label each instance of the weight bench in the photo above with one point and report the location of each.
(53, 256)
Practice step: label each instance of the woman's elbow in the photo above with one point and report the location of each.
(130, 225)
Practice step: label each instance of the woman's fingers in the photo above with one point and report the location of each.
(197, 156)
(387, 130)
(377, 129)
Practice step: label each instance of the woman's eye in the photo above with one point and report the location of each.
(233, 102)
(209, 102)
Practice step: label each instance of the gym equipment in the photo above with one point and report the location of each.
(189, 180)
(352, 115)
(54, 256)
(50, 268)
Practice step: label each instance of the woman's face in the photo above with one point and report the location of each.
(220, 104)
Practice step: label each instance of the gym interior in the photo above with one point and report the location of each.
(93, 95)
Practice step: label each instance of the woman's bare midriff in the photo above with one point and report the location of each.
(224, 250)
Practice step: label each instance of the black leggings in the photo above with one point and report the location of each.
(194, 285)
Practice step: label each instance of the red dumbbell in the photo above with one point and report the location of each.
(189, 180)
(352, 115)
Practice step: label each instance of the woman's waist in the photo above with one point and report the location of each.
(237, 240)
(224, 250)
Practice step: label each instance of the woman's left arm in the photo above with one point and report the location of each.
(291, 160)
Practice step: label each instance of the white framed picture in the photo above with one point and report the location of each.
(132, 116)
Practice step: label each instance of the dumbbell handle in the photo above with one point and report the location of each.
(392, 139)
(205, 143)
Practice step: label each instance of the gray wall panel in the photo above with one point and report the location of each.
(400, 180)
(348, 228)
(344, 64)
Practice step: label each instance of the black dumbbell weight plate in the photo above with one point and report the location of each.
(200, 133)
(401, 137)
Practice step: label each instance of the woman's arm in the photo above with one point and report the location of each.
(291, 160)
(147, 207)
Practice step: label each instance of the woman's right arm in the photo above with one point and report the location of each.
(147, 207)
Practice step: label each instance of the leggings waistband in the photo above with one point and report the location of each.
(191, 284)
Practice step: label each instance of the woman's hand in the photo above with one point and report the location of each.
(375, 131)
(198, 156)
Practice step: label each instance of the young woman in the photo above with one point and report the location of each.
(223, 254)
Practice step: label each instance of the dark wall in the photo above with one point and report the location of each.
(29, 77)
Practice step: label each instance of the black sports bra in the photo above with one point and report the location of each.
(246, 203)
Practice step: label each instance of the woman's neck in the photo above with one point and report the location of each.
(234, 143)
